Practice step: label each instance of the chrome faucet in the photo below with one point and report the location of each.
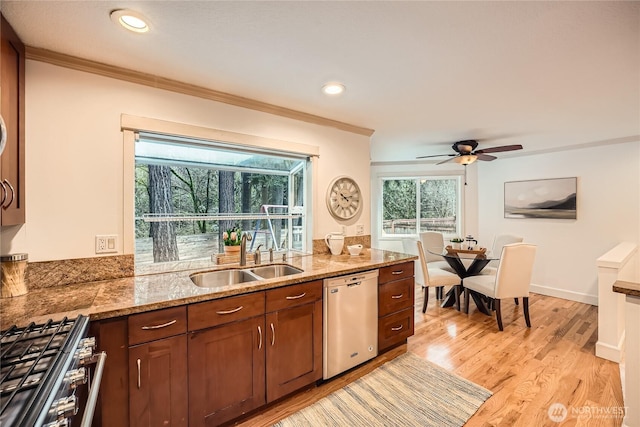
(243, 248)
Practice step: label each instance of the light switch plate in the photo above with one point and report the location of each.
(106, 244)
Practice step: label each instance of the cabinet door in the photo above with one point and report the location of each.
(12, 161)
(226, 371)
(158, 383)
(294, 349)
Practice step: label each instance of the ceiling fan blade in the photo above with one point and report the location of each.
(436, 155)
(448, 160)
(486, 157)
(499, 149)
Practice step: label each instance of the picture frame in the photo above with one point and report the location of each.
(553, 198)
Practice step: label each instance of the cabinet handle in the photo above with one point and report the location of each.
(13, 193)
(138, 374)
(4, 193)
(397, 328)
(273, 335)
(235, 310)
(297, 296)
(164, 325)
(397, 296)
(395, 273)
(260, 335)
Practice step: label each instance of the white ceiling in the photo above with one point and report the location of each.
(421, 74)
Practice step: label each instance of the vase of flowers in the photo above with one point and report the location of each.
(231, 239)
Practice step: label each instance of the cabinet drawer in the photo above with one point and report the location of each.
(153, 325)
(291, 296)
(225, 310)
(396, 272)
(395, 296)
(395, 328)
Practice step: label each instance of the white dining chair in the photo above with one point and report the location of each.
(498, 243)
(435, 277)
(512, 279)
(434, 239)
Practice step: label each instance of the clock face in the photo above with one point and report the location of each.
(343, 198)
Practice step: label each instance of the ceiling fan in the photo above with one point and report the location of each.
(468, 154)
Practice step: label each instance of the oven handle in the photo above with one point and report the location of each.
(92, 399)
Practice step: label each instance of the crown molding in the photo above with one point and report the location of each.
(80, 64)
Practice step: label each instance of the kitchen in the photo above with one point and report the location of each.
(76, 173)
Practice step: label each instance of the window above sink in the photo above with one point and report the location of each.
(188, 191)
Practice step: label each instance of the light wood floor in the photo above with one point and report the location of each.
(527, 370)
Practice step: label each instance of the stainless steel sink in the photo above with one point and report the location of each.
(214, 279)
(218, 278)
(275, 270)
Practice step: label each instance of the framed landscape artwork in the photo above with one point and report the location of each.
(542, 198)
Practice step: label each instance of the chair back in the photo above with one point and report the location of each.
(423, 262)
(431, 239)
(513, 278)
(409, 247)
(498, 243)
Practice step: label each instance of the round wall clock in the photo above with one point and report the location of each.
(344, 199)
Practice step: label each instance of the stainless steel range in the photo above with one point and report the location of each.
(43, 367)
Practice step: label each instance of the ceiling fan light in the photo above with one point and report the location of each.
(466, 159)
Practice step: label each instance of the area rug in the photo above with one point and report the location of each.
(406, 391)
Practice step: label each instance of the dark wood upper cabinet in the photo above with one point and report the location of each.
(12, 102)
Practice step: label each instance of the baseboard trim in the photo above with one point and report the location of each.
(564, 294)
(609, 352)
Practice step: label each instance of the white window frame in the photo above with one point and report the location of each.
(380, 178)
(131, 125)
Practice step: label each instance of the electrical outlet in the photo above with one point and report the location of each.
(359, 229)
(344, 230)
(106, 244)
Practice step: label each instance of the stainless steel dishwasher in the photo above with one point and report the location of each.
(350, 322)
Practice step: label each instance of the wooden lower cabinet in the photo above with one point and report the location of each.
(158, 394)
(208, 363)
(226, 371)
(113, 400)
(241, 365)
(395, 305)
(294, 349)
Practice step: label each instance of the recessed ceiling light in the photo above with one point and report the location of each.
(131, 20)
(333, 88)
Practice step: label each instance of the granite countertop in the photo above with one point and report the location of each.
(145, 292)
(627, 288)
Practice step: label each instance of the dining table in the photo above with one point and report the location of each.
(465, 263)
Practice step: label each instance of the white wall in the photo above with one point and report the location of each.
(74, 156)
(608, 212)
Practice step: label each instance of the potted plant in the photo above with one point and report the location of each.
(231, 239)
(456, 242)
